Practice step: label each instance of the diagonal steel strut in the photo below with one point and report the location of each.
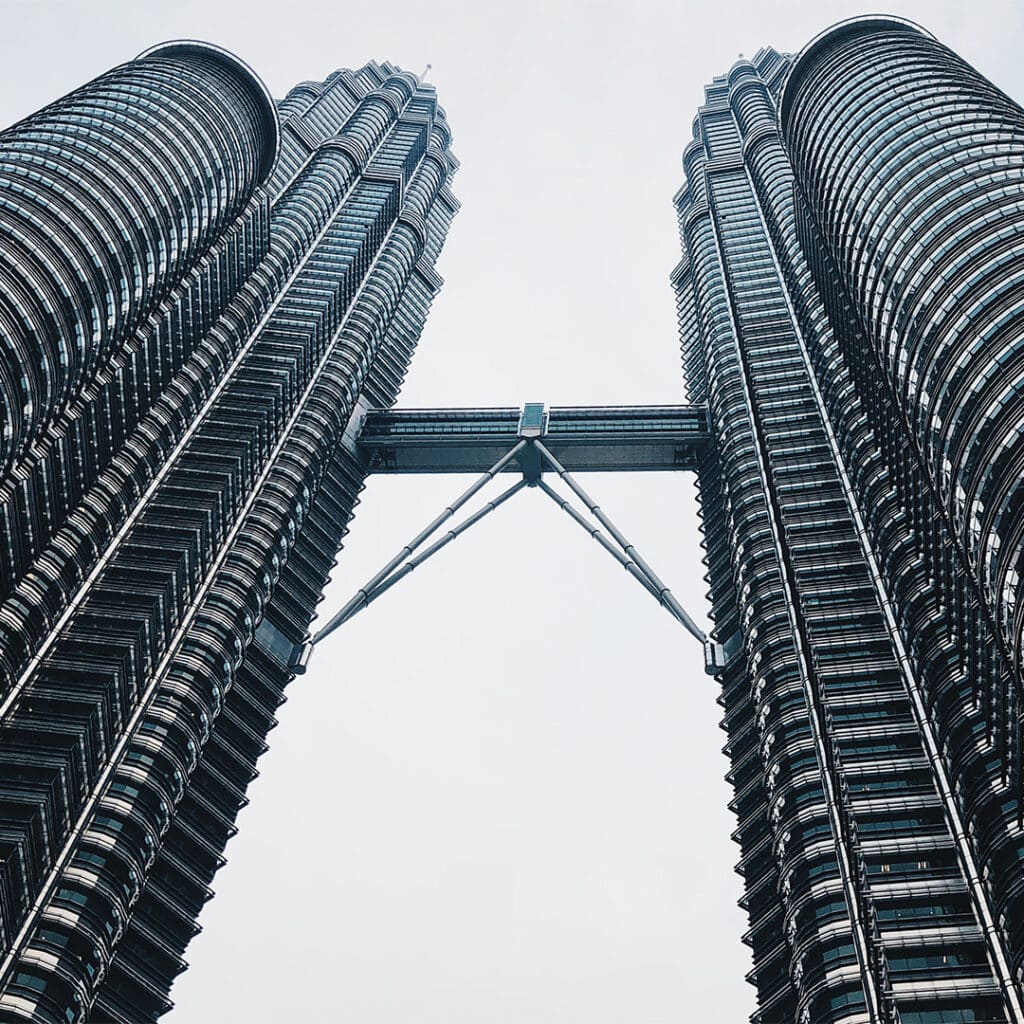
(368, 593)
(385, 578)
(624, 560)
(629, 557)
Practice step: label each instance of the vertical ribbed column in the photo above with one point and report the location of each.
(910, 216)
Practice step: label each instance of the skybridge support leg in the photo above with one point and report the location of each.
(388, 576)
(652, 582)
(370, 593)
(624, 560)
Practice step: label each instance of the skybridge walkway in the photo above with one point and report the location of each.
(582, 438)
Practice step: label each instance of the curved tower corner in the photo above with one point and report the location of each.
(911, 163)
(110, 197)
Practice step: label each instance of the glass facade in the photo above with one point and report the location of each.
(197, 293)
(870, 704)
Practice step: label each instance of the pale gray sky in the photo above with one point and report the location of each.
(498, 796)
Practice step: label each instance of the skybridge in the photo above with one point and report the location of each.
(583, 438)
(531, 441)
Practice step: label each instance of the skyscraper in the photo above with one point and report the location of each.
(198, 290)
(850, 303)
(201, 293)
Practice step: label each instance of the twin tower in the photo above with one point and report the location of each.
(202, 293)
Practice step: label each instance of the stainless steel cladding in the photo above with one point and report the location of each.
(918, 200)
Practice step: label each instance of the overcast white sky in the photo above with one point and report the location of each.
(497, 796)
